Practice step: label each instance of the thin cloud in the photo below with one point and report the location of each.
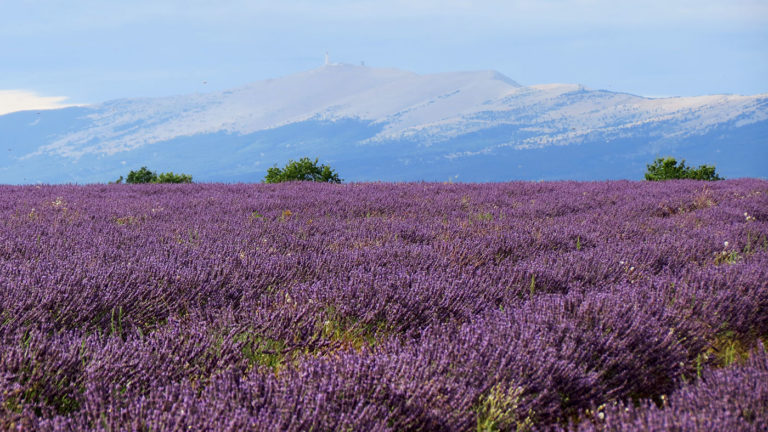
(23, 100)
(79, 15)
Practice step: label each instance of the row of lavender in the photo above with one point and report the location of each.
(384, 307)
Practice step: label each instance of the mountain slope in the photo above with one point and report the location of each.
(387, 124)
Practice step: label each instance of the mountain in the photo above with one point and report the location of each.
(388, 124)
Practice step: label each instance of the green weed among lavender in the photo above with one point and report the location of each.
(385, 307)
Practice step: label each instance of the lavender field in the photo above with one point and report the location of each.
(385, 307)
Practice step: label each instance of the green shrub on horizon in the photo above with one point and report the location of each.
(144, 175)
(668, 169)
(302, 170)
(170, 177)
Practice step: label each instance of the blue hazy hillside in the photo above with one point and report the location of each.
(386, 124)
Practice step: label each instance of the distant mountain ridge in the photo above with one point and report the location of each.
(388, 124)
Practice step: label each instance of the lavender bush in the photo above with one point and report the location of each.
(310, 306)
(727, 399)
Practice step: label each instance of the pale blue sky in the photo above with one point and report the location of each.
(95, 50)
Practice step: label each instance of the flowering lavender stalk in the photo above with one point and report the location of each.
(383, 306)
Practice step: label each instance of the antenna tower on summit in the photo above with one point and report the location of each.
(327, 59)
